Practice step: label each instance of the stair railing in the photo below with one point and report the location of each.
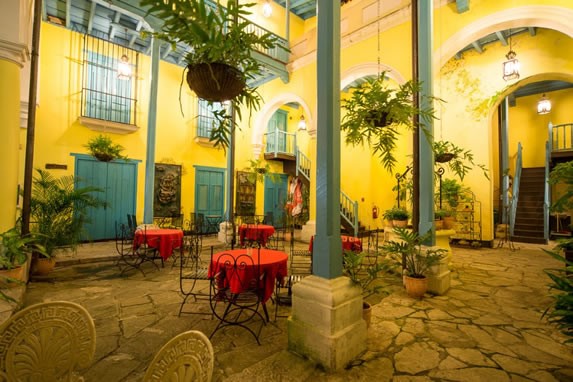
(547, 192)
(515, 197)
(349, 211)
(302, 164)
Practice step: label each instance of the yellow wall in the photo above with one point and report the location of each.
(9, 136)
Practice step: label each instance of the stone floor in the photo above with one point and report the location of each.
(488, 327)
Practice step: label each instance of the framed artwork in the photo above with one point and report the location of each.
(167, 190)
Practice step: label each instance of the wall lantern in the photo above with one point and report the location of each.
(124, 68)
(267, 9)
(543, 105)
(302, 123)
(511, 66)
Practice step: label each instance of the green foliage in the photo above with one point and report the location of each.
(374, 101)
(14, 247)
(59, 210)
(220, 35)
(103, 148)
(440, 214)
(257, 170)
(407, 252)
(560, 313)
(563, 174)
(462, 161)
(396, 213)
(356, 267)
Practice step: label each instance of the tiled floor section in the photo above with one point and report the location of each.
(488, 327)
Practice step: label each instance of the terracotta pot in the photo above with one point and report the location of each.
(400, 223)
(215, 82)
(416, 287)
(449, 222)
(439, 224)
(16, 273)
(42, 266)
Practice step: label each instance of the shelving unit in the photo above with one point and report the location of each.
(246, 195)
(468, 220)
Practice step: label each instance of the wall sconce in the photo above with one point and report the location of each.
(302, 123)
(543, 105)
(511, 66)
(267, 9)
(124, 68)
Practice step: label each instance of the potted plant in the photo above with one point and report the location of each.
(375, 111)
(14, 253)
(409, 253)
(562, 173)
(58, 212)
(438, 219)
(397, 215)
(364, 274)
(458, 160)
(560, 313)
(103, 148)
(219, 59)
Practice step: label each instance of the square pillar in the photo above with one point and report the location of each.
(326, 322)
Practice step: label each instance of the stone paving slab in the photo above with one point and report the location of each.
(487, 327)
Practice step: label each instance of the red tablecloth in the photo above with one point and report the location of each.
(272, 263)
(349, 243)
(165, 240)
(255, 232)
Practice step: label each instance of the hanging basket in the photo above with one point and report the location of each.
(215, 82)
(445, 157)
(377, 119)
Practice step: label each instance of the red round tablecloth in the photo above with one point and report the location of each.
(349, 243)
(272, 263)
(164, 239)
(255, 232)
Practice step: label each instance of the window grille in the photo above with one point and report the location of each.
(206, 119)
(106, 94)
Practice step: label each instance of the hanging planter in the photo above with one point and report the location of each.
(220, 41)
(375, 104)
(215, 82)
(444, 157)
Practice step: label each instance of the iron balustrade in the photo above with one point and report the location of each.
(108, 107)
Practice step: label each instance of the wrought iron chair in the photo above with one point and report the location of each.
(49, 341)
(300, 266)
(236, 291)
(192, 269)
(188, 356)
(129, 256)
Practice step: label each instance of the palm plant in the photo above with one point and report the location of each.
(560, 313)
(407, 252)
(58, 210)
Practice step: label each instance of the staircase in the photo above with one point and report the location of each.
(529, 225)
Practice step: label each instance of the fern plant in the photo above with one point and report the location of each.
(560, 313)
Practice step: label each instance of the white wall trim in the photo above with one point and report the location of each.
(13, 52)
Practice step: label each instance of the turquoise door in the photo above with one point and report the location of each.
(119, 184)
(276, 132)
(210, 196)
(276, 197)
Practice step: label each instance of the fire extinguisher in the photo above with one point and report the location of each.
(374, 212)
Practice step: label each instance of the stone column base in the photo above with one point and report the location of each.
(225, 234)
(439, 279)
(307, 231)
(326, 322)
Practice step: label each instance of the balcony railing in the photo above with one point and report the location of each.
(561, 137)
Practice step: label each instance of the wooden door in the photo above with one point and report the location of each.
(118, 181)
(276, 189)
(210, 195)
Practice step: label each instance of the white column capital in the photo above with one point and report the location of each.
(14, 52)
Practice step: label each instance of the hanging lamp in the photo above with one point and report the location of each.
(302, 123)
(511, 66)
(543, 105)
(267, 9)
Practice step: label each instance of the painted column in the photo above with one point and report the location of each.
(151, 127)
(426, 169)
(14, 26)
(504, 159)
(326, 324)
